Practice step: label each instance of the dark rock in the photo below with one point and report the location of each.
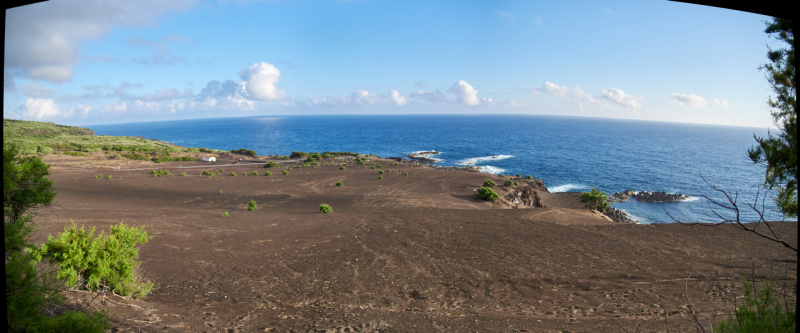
(645, 196)
(619, 216)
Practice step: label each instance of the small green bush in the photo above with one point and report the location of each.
(378, 165)
(254, 173)
(759, 313)
(510, 182)
(596, 199)
(406, 173)
(220, 191)
(339, 183)
(342, 168)
(381, 172)
(102, 260)
(233, 173)
(153, 171)
(225, 214)
(268, 173)
(271, 165)
(489, 183)
(251, 205)
(518, 175)
(206, 172)
(110, 177)
(389, 171)
(528, 177)
(285, 172)
(221, 170)
(486, 193)
(373, 167)
(380, 177)
(325, 208)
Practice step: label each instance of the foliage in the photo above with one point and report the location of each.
(298, 154)
(510, 182)
(102, 261)
(489, 183)
(254, 173)
(778, 153)
(310, 160)
(268, 173)
(342, 168)
(251, 205)
(271, 165)
(183, 174)
(325, 208)
(110, 177)
(381, 172)
(339, 183)
(209, 173)
(486, 193)
(243, 151)
(596, 199)
(134, 156)
(406, 173)
(225, 214)
(380, 177)
(220, 191)
(759, 313)
(173, 159)
(233, 173)
(528, 177)
(25, 185)
(285, 172)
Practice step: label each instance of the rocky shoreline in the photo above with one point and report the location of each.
(644, 196)
(619, 216)
(424, 156)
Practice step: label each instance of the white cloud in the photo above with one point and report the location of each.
(582, 95)
(510, 103)
(396, 98)
(435, 97)
(261, 79)
(618, 96)
(41, 108)
(721, 103)
(551, 89)
(115, 107)
(693, 101)
(162, 95)
(43, 39)
(465, 93)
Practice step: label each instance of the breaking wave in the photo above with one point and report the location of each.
(476, 160)
(567, 188)
(491, 169)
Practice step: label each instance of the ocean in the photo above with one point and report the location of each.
(568, 153)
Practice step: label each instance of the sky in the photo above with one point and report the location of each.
(87, 62)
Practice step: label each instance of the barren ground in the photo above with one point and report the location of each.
(412, 253)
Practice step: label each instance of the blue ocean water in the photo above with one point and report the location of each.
(568, 153)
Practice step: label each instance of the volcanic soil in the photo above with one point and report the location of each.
(406, 253)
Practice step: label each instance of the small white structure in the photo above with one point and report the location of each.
(209, 159)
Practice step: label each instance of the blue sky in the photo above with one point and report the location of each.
(109, 61)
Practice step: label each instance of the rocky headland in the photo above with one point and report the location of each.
(424, 156)
(644, 196)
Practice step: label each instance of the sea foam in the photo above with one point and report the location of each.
(476, 160)
(567, 188)
(491, 169)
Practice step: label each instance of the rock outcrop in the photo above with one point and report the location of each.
(520, 196)
(619, 216)
(645, 196)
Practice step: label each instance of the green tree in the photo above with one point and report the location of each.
(28, 290)
(778, 152)
(595, 199)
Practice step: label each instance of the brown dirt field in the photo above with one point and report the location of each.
(412, 253)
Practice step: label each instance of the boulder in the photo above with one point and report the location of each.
(619, 216)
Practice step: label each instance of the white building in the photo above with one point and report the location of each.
(209, 159)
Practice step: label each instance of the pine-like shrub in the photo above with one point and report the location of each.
(381, 172)
(759, 313)
(528, 177)
(233, 173)
(489, 183)
(271, 165)
(596, 199)
(339, 183)
(268, 173)
(325, 208)
(486, 193)
(285, 172)
(342, 168)
(510, 182)
(251, 205)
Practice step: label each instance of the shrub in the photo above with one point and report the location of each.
(489, 183)
(595, 199)
(297, 154)
(378, 165)
(220, 191)
(759, 313)
(373, 167)
(153, 171)
(110, 177)
(233, 173)
(325, 208)
(380, 177)
(225, 214)
(286, 157)
(310, 160)
(251, 205)
(268, 173)
(518, 175)
(254, 173)
(285, 172)
(528, 177)
(183, 174)
(389, 171)
(206, 172)
(406, 173)
(99, 261)
(342, 168)
(510, 182)
(221, 170)
(243, 151)
(486, 193)
(381, 172)
(339, 183)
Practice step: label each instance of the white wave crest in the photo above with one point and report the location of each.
(691, 199)
(476, 160)
(567, 188)
(491, 169)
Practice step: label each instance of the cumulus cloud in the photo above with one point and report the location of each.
(261, 79)
(396, 98)
(721, 103)
(435, 97)
(43, 39)
(41, 108)
(361, 97)
(693, 101)
(551, 89)
(582, 95)
(619, 97)
(465, 93)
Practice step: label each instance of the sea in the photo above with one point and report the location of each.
(569, 153)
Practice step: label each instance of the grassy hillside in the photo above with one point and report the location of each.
(35, 137)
